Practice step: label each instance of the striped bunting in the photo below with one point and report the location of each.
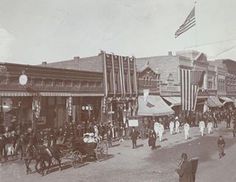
(190, 83)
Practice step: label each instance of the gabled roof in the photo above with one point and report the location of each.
(162, 65)
(147, 67)
(92, 64)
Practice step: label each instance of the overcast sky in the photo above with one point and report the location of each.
(32, 31)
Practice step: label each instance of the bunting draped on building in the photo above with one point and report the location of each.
(36, 106)
(191, 81)
(69, 106)
(189, 22)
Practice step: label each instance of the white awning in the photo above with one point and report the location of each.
(175, 101)
(214, 101)
(153, 106)
(226, 100)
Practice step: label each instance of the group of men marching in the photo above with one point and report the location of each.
(174, 128)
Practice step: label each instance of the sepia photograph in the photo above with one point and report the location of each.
(117, 90)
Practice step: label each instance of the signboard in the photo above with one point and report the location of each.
(133, 122)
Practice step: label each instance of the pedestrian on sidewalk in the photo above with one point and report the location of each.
(209, 127)
(161, 131)
(184, 169)
(156, 128)
(171, 126)
(177, 124)
(134, 136)
(186, 131)
(221, 146)
(109, 136)
(202, 127)
(152, 139)
(214, 116)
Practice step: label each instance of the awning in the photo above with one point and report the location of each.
(14, 94)
(57, 94)
(153, 106)
(67, 94)
(226, 100)
(213, 101)
(174, 101)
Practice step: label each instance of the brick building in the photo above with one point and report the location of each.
(119, 83)
(50, 97)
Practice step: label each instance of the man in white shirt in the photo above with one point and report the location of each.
(177, 124)
(156, 128)
(209, 127)
(171, 126)
(202, 127)
(160, 131)
(186, 130)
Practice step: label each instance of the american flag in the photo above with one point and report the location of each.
(190, 80)
(189, 22)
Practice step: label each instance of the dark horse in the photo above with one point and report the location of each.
(43, 156)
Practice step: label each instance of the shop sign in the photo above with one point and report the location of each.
(87, 108)
(133, 122)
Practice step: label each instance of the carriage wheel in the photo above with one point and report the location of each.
(41, 166)
(75, 158)
(79, 156)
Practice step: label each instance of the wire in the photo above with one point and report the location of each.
(226, 50)
(210, 43)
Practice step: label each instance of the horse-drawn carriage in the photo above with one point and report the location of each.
(75, 150)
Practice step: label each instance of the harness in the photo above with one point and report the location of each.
(48, 152)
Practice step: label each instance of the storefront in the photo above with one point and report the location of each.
(50, 97)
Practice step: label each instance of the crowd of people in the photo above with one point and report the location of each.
(13, 142)
(205, 121)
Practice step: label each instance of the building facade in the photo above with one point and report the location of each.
(50, 96)
(119, 83)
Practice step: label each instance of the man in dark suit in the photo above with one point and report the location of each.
(134, 136)
(185, 170)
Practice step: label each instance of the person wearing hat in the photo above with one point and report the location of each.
(209, 127)
(186, 131)
(171, 126)
(134, 136)
(221, 146)
(202, 127)
(177, 124)
(152, 139)
(161, 131)
(156, 127)
(185, 170)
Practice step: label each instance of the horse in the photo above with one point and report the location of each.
(31, 153)
(43, 156)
